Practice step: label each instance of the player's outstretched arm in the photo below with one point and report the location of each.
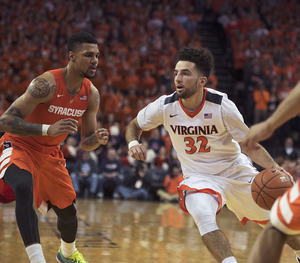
(40, 90)
(92, 136)
(136, 150)
(285, 111)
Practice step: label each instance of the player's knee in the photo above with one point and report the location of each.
(203, 208)
(67, 214)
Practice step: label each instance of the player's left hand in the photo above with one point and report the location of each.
(102, 135)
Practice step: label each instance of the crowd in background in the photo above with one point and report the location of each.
(138, 42)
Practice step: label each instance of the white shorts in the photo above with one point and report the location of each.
(232, 186)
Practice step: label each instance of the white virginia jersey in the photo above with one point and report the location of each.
(205, 140)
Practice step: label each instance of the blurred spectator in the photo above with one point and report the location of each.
(115, 137)
(70, 153)
(163, 160)
(288, 151)
(148, 82)
(261, 100)
(274, 101)
(110, 176)
(155, 140)
(134, 186)
(171, 182)
(84, 175)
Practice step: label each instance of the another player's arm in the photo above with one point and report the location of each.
(91, 136)
(133, 133)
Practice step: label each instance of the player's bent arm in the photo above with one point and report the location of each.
(136, 150)
(260, 156)
(91, 136)
(40, 90)
(133, 131)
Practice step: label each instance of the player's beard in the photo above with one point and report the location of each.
(188, 92)
(88, 76)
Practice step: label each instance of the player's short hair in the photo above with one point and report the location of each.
(78, 39)
(202, 57)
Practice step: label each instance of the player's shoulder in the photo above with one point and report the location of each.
(43, 87)
(94, 96)
(215, 96)
(168, 99)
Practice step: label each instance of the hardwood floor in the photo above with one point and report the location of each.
(115, 231)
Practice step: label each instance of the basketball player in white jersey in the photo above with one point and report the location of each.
(206, 130)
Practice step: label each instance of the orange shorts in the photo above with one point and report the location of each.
(47, 166)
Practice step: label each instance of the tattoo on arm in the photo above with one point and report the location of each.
(14, 124)
(39, 88)
(97, 99)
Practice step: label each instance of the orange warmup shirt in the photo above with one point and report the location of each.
(41, 155)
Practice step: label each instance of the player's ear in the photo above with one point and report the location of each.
(202, 81)
(71, 56)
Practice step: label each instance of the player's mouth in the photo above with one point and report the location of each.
(93, 69)
(179, 87)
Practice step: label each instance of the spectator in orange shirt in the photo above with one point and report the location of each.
(171, 182)
(261, 100)
(132, 97)
(98, 81)
(148, 82)
(131, 79)
(111, 103)
(149, 64)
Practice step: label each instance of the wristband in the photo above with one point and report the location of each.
(132, 143)
(45, 128)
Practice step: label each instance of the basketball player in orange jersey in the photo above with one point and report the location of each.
(207, 131)
(32, 165)
(285, 213)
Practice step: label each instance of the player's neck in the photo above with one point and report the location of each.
(73, 81)
(194, 102)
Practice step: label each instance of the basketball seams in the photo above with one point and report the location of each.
(267, 186)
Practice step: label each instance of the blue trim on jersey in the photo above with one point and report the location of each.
(214, 98)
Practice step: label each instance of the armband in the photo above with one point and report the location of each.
(133, 143)
(45, 128)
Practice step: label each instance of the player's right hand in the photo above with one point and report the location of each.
(138, 152)
(63, 126)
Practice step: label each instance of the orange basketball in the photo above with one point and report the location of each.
(268, 185)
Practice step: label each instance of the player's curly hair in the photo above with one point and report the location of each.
(78, 39)
(202, 57)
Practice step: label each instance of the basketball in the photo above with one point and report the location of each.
(268, 185)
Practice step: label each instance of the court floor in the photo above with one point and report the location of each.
(115, 231)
